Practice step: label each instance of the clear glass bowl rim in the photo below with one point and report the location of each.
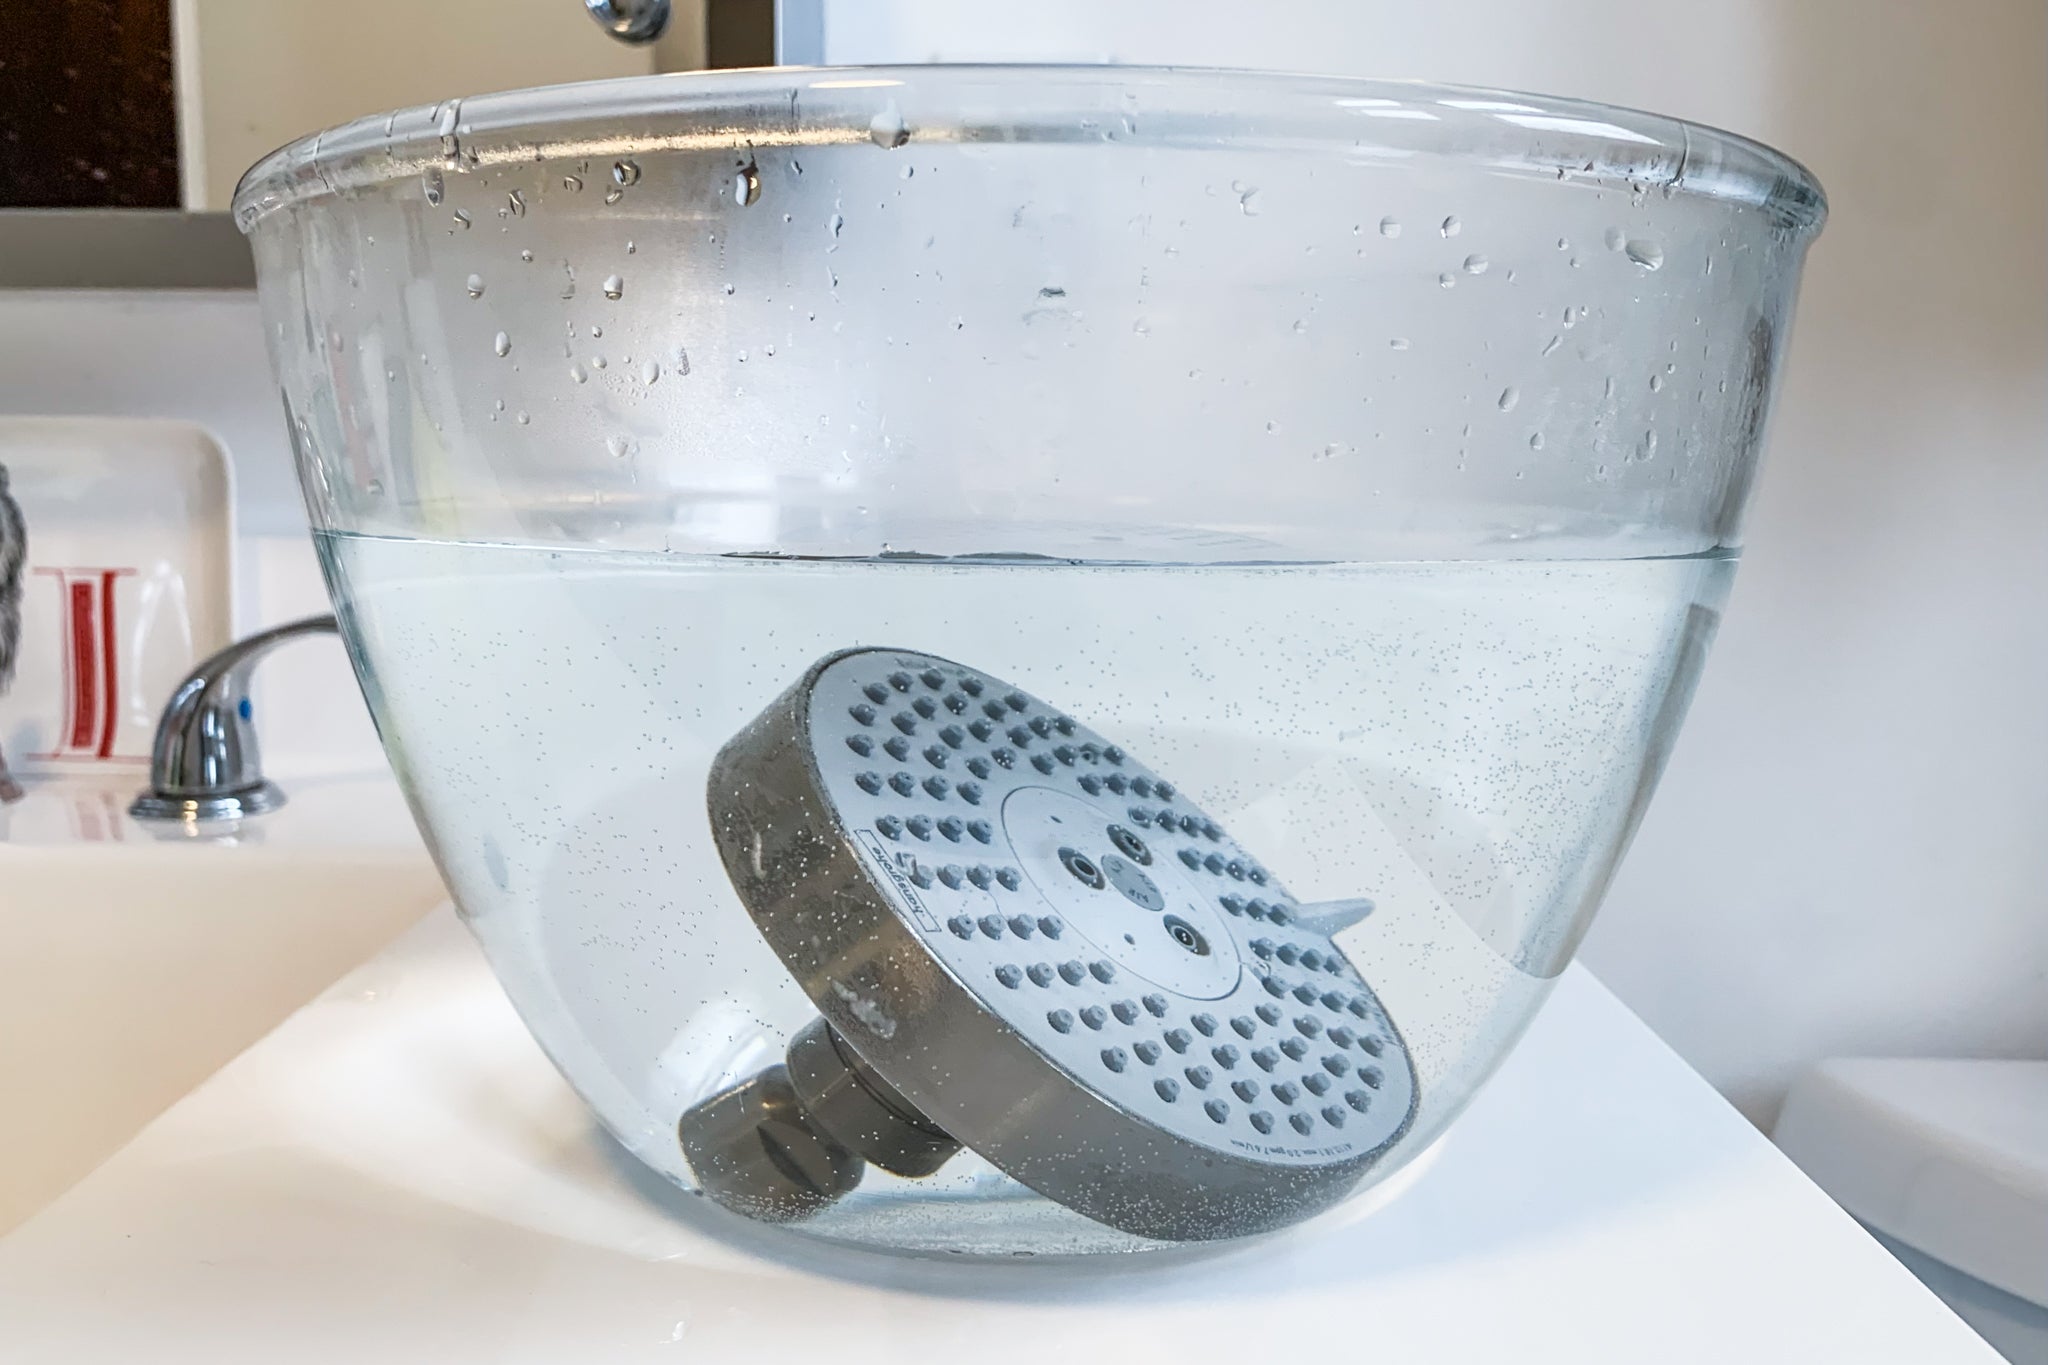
(1499, 132)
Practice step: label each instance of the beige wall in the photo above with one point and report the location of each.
(254, 74)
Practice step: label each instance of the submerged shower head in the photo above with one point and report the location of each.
(1024, 941)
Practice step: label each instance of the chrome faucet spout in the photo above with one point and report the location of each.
(205, 764)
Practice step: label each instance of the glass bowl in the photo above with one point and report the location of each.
(1026, 660)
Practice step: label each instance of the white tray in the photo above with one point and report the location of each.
(128, 583)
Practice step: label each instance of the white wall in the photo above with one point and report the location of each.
(1850, 851)
(254, 74)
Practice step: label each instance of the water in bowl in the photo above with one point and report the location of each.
(1467, 743)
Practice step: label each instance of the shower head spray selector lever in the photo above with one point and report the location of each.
(1022, 940)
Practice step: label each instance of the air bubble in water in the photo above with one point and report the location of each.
(886, 128)
(625, 172)
(1509, 396)
(1390, 227)
(502, 344)
(614, 287)
(475, 286)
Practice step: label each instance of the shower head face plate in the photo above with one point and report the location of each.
(1054, 952)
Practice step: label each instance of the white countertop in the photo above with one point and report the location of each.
(397, 1175)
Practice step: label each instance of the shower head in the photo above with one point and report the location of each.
(1025, 941)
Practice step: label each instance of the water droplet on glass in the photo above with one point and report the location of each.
(1447, 280)
(502, 344)
(1509, 396)
(625, 172)
(728, 288)
(475, 286)
(649, 372)
(837, 222)
(1247, 198)
(1141, 327)
(619, 446)
(631, 247)
(614, 195)
(1398, 343)
(595, 330)
(1475, 264)
(746, 186)
(523, 417)
(682, 363)
(462, 219)
(1536, 441)
(614, 287)
(526, 256)
(433, 185)
(1271, 426)
(1552, 344)
(908, 172)
(516, 201)
(1330, 451)
(886, 128)
(598, 362)
(768, 350)
(1645, 253)
(578, 373)
(1647, 448)
(1300, 327)
(1390, 227)
(1656, 382)
(1451, 227)
(572, 183)
(1615, 238)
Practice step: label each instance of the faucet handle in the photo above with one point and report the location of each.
(205, 764)
(630, 21)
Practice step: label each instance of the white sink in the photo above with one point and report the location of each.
(134, 964)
